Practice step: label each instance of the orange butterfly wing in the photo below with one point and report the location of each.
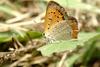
(54, 14)
(74, 25)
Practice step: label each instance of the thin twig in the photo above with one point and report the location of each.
(61, 63)
(7, 27)
(20, 60)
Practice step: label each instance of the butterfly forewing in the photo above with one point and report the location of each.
(54, 14)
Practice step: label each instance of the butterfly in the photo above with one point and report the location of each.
(58, 25)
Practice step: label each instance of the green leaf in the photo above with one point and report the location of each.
(34, 35)
(91, 50)
(69, 62)
(60, 46)
(7, 36)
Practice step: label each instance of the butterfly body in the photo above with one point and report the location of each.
(58, 25)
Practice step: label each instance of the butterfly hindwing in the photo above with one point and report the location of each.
(74, 26)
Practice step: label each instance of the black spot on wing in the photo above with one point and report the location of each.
(48, 28)
(49, 18)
